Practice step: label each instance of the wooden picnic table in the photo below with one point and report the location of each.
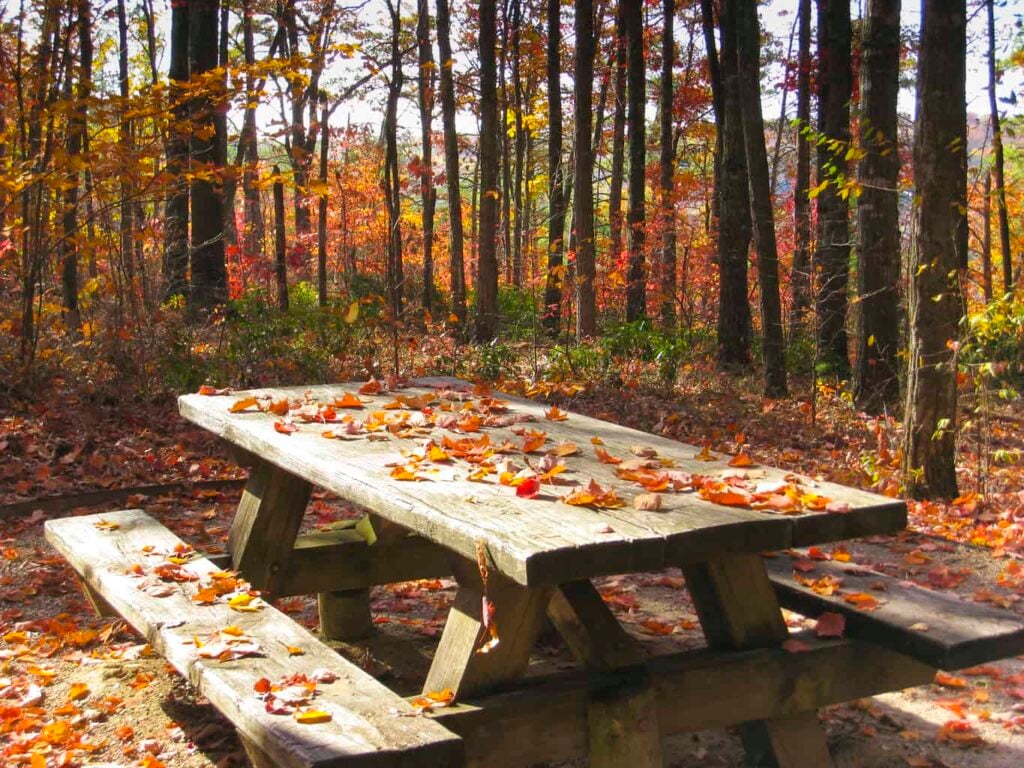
(519, 559)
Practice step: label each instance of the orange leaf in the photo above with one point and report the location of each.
(604, 457)
(949, 681)
(285, 428)
(78, 691)
(244, 404)
(372, 387)
(656, 627)
(566, 449)
(312, 716)
(741, 459)
(348, 400)
(554, 414)
(533, 441)
(862, 600)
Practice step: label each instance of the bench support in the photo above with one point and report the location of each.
(738, 609)
(622, 717)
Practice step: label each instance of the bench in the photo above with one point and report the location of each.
(115, 553)
(935, 628)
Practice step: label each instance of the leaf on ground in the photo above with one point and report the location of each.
(830, 625)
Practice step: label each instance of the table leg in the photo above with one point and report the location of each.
(622, 718)
(518, 616)
(738, 609)
(266, 524)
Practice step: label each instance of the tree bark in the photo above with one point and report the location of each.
(636, 279)
(487, 267)
(391, 180)
(666, 175)
(519, 105)
(451, 159)
(800, 276)
(427, 79)
(832, 262)
(759, 184)
(126, 229)
(176, 242)
(321, 223)
(618, 141)
(280, 248)
(734, 225)
(878, 223)
(556, 200)
(255, 228)
(998, 163)
(940, 165)
(209, 272)
(583, 211)
(986, 240)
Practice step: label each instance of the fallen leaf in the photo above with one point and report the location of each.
(830, 625)
(243, 404)
(648, 502)
(312, 716)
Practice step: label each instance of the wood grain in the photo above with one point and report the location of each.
(950, 633)
(371, 725)
(538, 541)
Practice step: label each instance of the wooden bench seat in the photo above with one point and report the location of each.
(936, 628)
(369, 726)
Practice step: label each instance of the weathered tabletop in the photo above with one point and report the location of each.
(540, 540)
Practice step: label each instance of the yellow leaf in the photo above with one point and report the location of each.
(352, 313)
(313, 716)
(78, 691)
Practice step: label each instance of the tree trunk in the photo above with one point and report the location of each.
(487, 267)
(176, 256)
(636, 279)
(255, 228)
(800, 276)
(666, 174)
(556, 200)
(505, 149)
(878, 222)
(759, 184)
(127, 219)
(940, 176)
(832, 263)
(280, 248)
(618, 141)
(734, 225)
(321, 224)
(986, 240)
(426, 81)
(583, 211)
(520, 144)
(451, 160)
(392, 180)
(998, 162)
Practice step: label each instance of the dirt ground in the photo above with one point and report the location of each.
(79, 690)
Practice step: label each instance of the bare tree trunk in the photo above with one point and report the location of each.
(127, 209)
(176, 250)
(636, 279)
(209, 271)
(940, 175)
(878, 217)
(451, 159)
(998, 161)
(556, 199)
(76, 134)
(321, 224)
(759, 182)
(986, 240)
(392, 180)
(280, 248)
(255, 228)
(666, 174)
(520, 144)
(832, 263)
(487, 268)
(427, 79)
(618, 140)
(800, 277)
(583, 212)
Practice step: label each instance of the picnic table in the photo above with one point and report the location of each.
(525, 505)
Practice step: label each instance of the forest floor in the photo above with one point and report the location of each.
(82, 690)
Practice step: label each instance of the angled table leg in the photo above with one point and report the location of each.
(738, 609)
(518, 615)
(622, 718)
(266, 524)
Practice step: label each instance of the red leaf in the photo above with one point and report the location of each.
(529, 488)
(830, 625)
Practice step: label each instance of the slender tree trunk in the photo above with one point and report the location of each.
(556, 199)
(800, 277)
(255, 228)
(998, 161)
(280, 247)
(520, 144)
(636, 279)
(505, 148)
(392, 180)
(878, 218)
(451, 159)
(487, 268)
(127, 209)
(832, 263)
(759, 182)
(986, 240)
(666, 175)
(176, 248)
(940, 175)
(321, 223)
(583, 211)
(427, 79)
(618, 141)
(221, 116)
(734, 224)
(209, 271)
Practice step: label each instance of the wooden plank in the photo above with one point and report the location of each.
(539, 541)
(622, 723)
(959, 634)
(738, 609)
(344, 614)
(265, 525)
(459, 664)
(364, 730)
(769, 683)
